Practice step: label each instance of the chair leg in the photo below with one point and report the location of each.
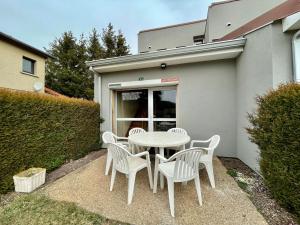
(155, 179)
(198, 188)
(131, 182)
(113, 177)
(108, 162)
(171, 195)
(210, 172)
(150, 174)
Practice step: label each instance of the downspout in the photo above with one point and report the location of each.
(97, 85)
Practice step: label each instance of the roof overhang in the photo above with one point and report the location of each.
(291, 22)
(23, 45)
(191, 54)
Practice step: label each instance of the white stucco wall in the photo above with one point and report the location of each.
(206, 99)
(265, 63)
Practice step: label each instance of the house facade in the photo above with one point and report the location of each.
(203, 75)
(22, 67)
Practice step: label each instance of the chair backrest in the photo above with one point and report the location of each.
(108, 137)
(136, 130)
(119, 155)
(213, 144)
(178, 130)
(186, 163)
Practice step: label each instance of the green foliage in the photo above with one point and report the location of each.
(242, 185)
(232, 173)
(114, 45)
(43, 131)
(67, 72)
(39, 209)
(276, 130)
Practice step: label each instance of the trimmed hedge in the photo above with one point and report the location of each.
(38, 130)
(276, 130)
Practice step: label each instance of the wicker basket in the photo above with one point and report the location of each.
(29, 180)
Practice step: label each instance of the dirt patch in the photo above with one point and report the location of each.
(253, 185)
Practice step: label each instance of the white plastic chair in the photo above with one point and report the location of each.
(181, 167)
(108, 137)
(136, 130)
(207, 159)
(179, 131)
(129, 164)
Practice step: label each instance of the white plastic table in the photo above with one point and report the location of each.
(161, 140)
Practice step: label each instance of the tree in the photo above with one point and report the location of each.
(114, 45)
(122, 46)
(95, 50)
(109, 41)
(67, 73)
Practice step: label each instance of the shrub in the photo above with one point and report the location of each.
(276, 131)
(38, 130)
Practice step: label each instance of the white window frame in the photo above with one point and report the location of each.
(150, 119)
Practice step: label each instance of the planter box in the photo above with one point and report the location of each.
(29, 180)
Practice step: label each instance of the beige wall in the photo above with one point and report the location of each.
(11, 75)
(237, 13)
(170, 37)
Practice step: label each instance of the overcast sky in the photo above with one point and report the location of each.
(38, 22)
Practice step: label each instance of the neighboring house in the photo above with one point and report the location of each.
(22, 67)
(207, 78)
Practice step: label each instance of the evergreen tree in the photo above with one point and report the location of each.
(67, 73)
(95, 50)
(122, 47)
(109, 41)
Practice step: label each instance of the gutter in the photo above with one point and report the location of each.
(175, 52)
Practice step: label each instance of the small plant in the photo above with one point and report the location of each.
(242, 185)
(232, 173)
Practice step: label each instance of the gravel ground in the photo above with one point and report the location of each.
(253, 185)
(88, 187)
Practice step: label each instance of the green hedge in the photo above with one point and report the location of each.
(43, 131)
(276, 130)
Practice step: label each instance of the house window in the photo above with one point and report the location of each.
(28, 65)
(199, 39)
(296, 56)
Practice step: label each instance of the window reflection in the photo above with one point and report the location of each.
(164, 105)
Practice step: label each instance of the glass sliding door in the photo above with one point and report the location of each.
(164, 109)
(131, 110)
(153, 109)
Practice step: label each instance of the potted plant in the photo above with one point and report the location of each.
(29, 180)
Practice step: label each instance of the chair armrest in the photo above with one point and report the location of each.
(145, 153)
(121, 138)
(158, 156)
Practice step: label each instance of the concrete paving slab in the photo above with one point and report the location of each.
(227, 204)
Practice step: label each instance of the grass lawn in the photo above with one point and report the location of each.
(36, 209)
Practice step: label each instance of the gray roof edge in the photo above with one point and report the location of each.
(173, 25)
(209, 47)
(23, 45)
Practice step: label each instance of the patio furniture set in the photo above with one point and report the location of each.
(126, 156)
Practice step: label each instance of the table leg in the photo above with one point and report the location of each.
(161, 152)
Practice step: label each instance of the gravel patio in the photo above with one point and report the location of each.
(89, 188)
